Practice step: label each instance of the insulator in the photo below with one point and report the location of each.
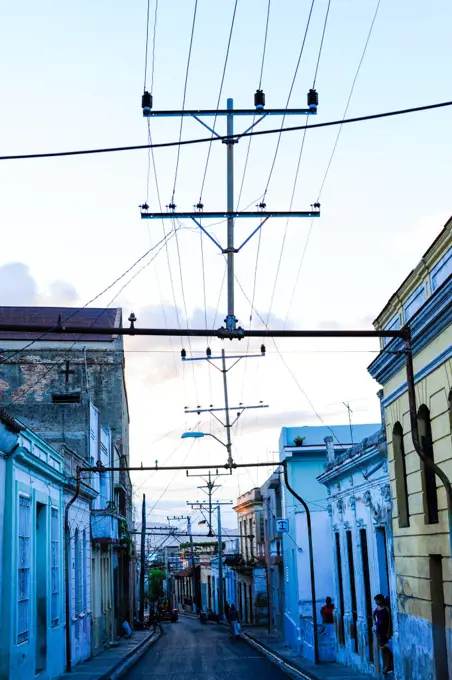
(171, 206)
(317, 206)
(263, 349)
(144, 206)
(183, 353)
(313, 99)
(146, 103)
(132, 319)
(259, 99)
(209, 352)
(199, 206)
(261, 206)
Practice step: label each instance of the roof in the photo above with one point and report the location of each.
(48, 316)
(315, 436)
(9, 422)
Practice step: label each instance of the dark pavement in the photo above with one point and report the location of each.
(188, 650)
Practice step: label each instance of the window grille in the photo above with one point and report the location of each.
(55, 567)
(23, 572)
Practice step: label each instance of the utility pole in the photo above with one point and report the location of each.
(231, 330)
(226, 408)
(347, 406)
(142, 557)
(209, 489)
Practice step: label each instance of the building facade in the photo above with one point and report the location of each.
(273, 550)
(360, 510)
(32, 621)
(421, 526)
(252, 588)
(305, 463)
(72, 393)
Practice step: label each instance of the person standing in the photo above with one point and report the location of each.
(382, 618)
(327, 611)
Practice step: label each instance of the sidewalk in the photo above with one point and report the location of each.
(114, 662)
(285, 657)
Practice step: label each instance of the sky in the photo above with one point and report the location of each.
(72, 78)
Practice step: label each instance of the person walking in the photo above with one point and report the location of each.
(382, 618)
(233, 618)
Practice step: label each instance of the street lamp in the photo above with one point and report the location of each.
(198, 435)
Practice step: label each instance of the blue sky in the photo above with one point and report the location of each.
(72, 77)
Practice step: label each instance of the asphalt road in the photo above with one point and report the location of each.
(188, 650)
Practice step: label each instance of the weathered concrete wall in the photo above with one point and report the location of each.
(30, 378)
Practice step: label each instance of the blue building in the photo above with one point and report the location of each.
(305, 451)
(32, 635)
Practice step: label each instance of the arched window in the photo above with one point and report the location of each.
(400, 474)
(428, 476)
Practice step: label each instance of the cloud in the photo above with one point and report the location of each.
(19, 288)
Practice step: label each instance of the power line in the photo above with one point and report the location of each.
(184, 96)
(219, 98)
(76, 311)
(289, 96)
(308, 237)
(153, 44)
(146, 50)
(206, 140)
(22, 394)
(265, 44)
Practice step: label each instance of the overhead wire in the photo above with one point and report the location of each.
(78, 339)
(272, 167)
(333, 151)
(221, 138)
(218, 99)
(297, 171)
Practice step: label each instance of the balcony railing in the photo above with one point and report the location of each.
(105, 526)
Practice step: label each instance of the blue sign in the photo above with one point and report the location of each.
(282, 526)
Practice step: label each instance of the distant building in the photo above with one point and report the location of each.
(305, 452)
(252, 600)
(359, 505)
(421, 525)
(273, 550)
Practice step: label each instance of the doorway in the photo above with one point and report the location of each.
(438, 617)
(41, 588)
(367, 592)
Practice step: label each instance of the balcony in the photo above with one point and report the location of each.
(105, 526)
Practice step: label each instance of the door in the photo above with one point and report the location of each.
(41, 589)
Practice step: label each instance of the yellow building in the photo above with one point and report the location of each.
(423, 611)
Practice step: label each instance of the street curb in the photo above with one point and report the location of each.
(132, 657)
(284, 666)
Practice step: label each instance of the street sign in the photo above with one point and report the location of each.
(282, 526)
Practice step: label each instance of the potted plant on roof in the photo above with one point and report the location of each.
(298, 441)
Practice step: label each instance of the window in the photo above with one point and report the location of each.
(414, 302)
(71, 398)
(78, 573)
(54, 567)
(341, 588)
(23, 571)
(84, 572)
(441, 270)
(428, 476)
(400, 473)
(351, 568)
(393, 325)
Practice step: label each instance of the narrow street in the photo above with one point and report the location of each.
(188, 650)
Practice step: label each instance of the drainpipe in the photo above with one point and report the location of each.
(311, 560)
(415, 435)
(67, 536)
